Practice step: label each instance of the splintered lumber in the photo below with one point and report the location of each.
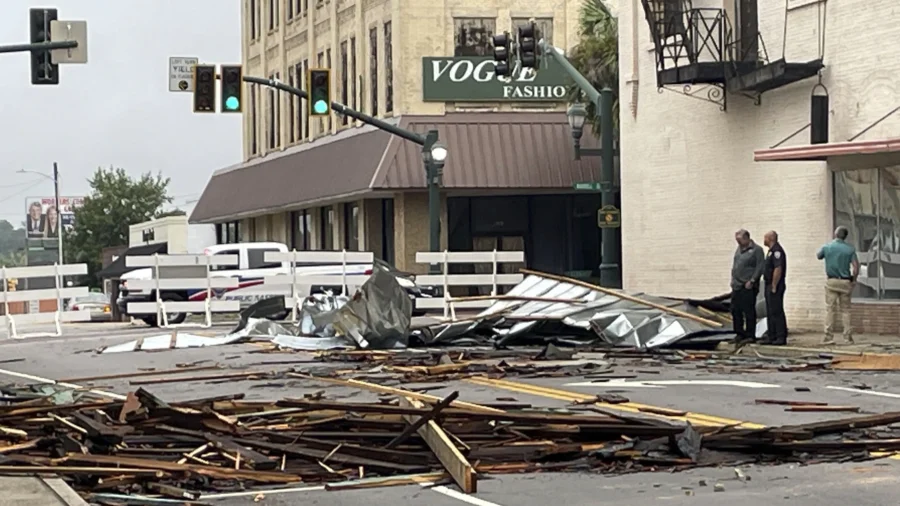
(207, 377)
(219, 473)
(790, 403)
(414, 427)
(843, 425)
(836, 409)
(453, 461)
(255, 459)
(388, 481)
(867, 362)
(139, 374)
(624, 296)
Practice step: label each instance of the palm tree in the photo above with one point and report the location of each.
(597, 55)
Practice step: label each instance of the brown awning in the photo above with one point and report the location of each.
(486, 151)
(839, 155)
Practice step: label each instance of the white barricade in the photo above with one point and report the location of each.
(494, 279)
(183, 272)
(295, 285)
(58, 292)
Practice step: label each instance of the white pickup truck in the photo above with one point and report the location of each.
(251, 271)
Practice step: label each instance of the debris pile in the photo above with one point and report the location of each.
(143, 446)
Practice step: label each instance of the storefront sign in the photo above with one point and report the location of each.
(472, 79)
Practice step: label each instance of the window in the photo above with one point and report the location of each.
(224, 252)
(220, 233)
(344, 82)
(304, 120)
(544, 27)
(387, 230)
(300, 230)
(273, 14)
(353, 76)
(292, 104)
(867, 202)
(254, 147)
(256, 258)
(473, 36)
(289, 12)
(373, 71)
(254, 20)
(328, 65)
(232, 232)
(305, 6)
(351, 226)
(326, 228)
(388, 70)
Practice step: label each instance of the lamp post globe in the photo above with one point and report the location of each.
(577, 115)
(438, 154)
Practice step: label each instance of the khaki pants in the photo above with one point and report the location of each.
(837, 299)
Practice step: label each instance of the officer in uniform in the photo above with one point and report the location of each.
(774, 285)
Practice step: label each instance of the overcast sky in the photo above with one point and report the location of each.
(116, 109)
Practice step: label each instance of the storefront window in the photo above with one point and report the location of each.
(889, 232)
(302, 226)
(351, 226)
(856, 206)
(326, 228)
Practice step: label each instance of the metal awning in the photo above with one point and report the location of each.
(839, 155)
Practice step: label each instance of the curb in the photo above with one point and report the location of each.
(796, 352)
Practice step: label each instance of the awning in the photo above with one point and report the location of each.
(487, 151)
(839, 155)
(117, 267)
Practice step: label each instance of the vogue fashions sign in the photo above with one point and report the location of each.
(472, 79)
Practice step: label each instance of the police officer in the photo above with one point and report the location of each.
(774, 285)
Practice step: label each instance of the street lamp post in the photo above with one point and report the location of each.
(434, 154)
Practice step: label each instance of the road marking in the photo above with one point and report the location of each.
(459, 496)
(38, 379)
(621, 383)
(699, 419)
(867, 392)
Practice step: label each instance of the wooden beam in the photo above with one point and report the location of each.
(414, 427)
(453, 461)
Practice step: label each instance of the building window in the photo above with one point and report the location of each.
(387, 230)
(326, 228)
(328, 66)
(254, 20)
(351, 226)
(544, 27)
(473, 36)
(344, 81)
(373, 71)
(289, 12)
(232, 232)
(273, 14)
(354, 78)
(273, 111)
(292, 104)
(388, 70)
(301, 226)
(867, 202)
(254, 147)
(304, 119)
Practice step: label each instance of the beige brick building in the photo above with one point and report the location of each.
(332, 184)
(695, 171)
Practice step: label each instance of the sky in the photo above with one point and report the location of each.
(116, 109)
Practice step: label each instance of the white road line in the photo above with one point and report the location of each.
(619, 383)
(867, 392)
(459, 496)
(38, 379)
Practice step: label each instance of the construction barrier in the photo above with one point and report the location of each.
(317, 270)
(183, 272)
(494, 278)
(59, 292)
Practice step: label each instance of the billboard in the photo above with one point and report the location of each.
(44, 219)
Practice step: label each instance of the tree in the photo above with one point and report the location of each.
(12, 245)
(597, 55)
(171, 212)
(116, 201)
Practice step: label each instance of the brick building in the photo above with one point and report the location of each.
(334, 183)
(695, 171)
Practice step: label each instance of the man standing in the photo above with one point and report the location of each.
(775, 286)
(841, 269)
(35, 221)
(746, 270)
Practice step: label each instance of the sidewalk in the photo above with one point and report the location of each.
(810, 344)
(35, 491)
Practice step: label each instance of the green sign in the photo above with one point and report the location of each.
(472, 79)
(609, 217)
(588, 186)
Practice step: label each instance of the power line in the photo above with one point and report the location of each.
(21, 184)
(19, 193)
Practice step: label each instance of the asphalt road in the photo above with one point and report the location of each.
(709, 398)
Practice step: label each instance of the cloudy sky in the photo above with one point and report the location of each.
(116, 109)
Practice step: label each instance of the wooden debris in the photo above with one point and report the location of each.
(790, 403)
(817, 408)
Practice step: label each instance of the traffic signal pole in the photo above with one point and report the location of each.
(432, 169)
(39, 46)
(610, 275)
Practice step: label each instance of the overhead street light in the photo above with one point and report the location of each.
(438, 154)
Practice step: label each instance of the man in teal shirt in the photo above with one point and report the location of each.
(841, 269)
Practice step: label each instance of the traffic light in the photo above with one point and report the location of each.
(528, 50)
(43, 70)
(232, 85)
(501, 54)
(204, 88)
(319, 92)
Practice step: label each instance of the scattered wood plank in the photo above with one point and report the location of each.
(422, 420)
(790, 403)
(832, 409)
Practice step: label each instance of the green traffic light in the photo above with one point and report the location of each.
(232, 104)
(320, 107)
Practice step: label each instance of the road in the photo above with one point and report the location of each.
(709, 398)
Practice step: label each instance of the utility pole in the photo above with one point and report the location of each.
(59, 225)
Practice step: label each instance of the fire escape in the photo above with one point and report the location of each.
(698, 49)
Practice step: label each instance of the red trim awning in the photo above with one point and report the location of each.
(839, 155)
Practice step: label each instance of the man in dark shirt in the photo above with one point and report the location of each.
(746, 270)
(774, 286)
